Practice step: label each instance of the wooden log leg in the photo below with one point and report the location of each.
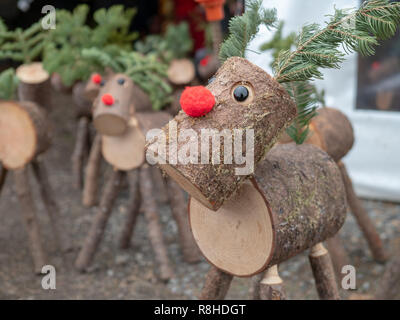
(390, 282)
(338, 254)
(271, 286)
(323, 272)
(60, 232)
(89, 196)
(153, 223)
(365, 223)
(98, 226)
(3, 176)
(133, 209)
(30, 219)
(79, 152)
(191, 252)
(216, 285)
(159, 184)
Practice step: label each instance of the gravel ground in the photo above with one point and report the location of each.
(131, 274)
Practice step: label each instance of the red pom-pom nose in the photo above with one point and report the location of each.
(204, 61)
(107, 99)
(96, 78)
(197, 101)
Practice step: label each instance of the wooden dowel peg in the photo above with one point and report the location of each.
(271, 286)
(323, 272)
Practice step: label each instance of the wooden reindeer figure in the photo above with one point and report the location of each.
(121, 134)
(274, 203)
(24, 137)
(295, 200)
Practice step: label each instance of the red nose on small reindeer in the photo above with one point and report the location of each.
(96, 78)
(107, 99)
(197, 101)
(205, 61)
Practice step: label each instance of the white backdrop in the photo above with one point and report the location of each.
(374, 162)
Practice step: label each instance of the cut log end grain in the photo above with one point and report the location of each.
(295, 201)
(181, 71)
(24, 133)
(127, 151)
(32, 73)
(268, 111)
(34, 84)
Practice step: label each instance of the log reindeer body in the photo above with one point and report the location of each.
(295, 201)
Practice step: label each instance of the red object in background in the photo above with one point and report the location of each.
(190, 11)
(107, 99)
(214, 9)
(197, 101)
(376, 65)
(205, 61)
(96, 78)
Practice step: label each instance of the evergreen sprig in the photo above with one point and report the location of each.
(63, 53)
(146, 71)
(22, 45)
(175, 43)
(8, 84)
(243, 29)
(356, 30)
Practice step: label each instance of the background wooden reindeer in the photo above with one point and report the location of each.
(243, 96)
(123, 131)
(25, 133)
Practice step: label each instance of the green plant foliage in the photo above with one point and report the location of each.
(8, 84)
(146, 71)
(63, 53)
(176, 43)
(278, 43)
(22, 45)
(243, 29)
(305, 96)
(356, 30)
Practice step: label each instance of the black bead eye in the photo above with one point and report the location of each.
(241, 93)
(121, 81)
(211, 80)
(102, 82)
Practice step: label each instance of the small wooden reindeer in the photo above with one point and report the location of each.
(121, 138)
(25, 135)
(294, 199)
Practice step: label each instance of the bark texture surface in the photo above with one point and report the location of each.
(390, 283)
(268, 110)
(323, 272)
(216, 285)
(82, 103)
(338, 254)
(80, 151)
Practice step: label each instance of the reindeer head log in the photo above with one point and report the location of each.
(247, 101)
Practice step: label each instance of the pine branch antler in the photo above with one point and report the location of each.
(146, 71)
(357, 30)
(243, 29)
